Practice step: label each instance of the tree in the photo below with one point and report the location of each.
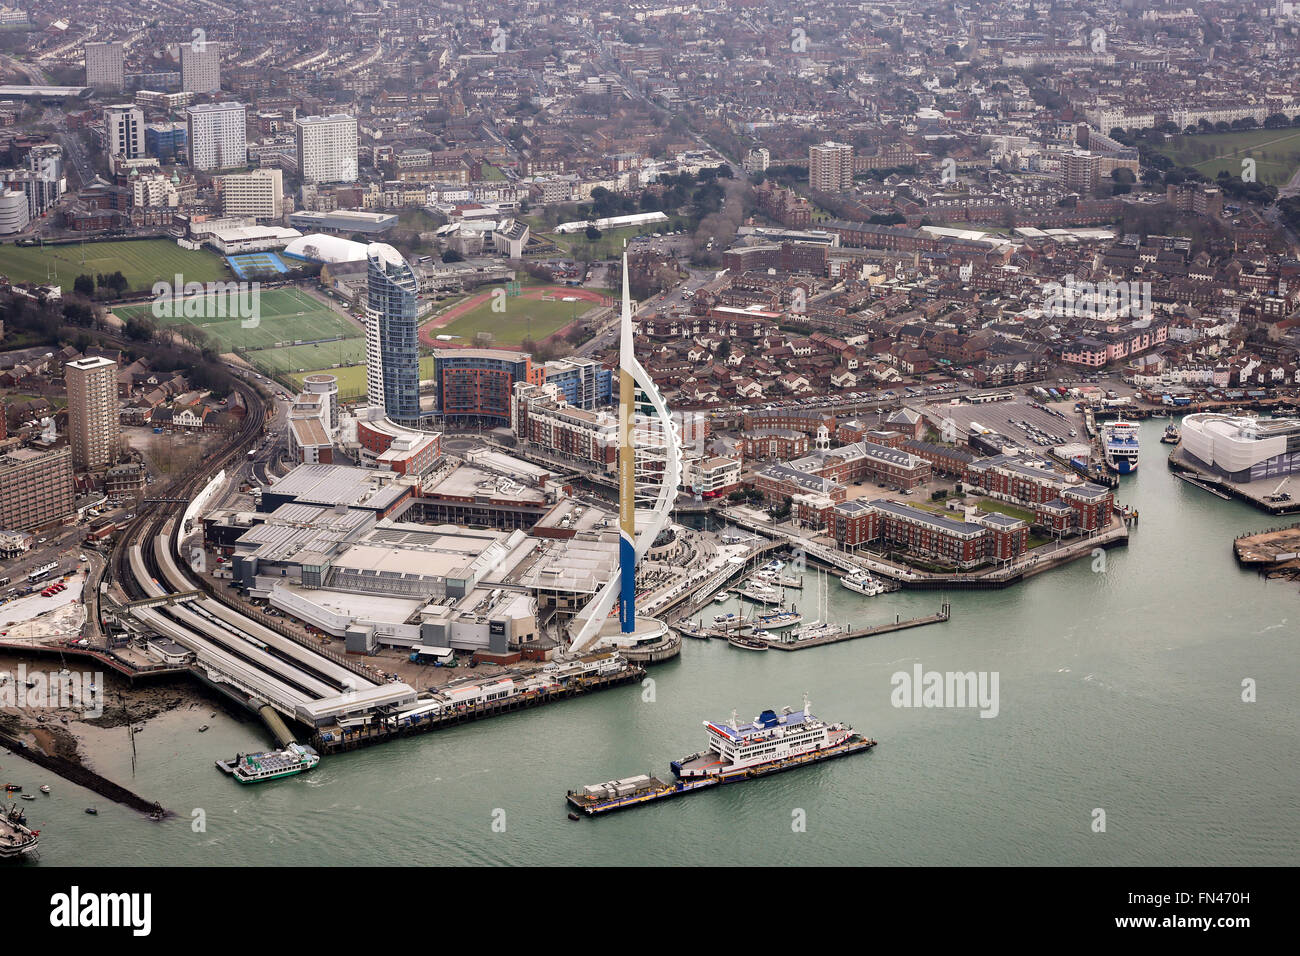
(451, 255)
(139, 329)
(593, 233)
(84, 285)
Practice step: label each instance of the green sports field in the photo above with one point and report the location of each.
(352, 381)
(317, 357)
(1276, 153)
(287, 317)
(522, 319)
(142, 262)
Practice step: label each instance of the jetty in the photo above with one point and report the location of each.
(1275, 552)
(945, 613)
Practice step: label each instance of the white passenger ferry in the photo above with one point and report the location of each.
(1119, 441)
(256, 768)
(770, 743)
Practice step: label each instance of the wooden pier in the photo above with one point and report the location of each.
(378, 732)
(945, 612)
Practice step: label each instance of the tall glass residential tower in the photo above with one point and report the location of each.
(392, 342)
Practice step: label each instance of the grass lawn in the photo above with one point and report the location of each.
(522, 319)
(58, 401)
(352, 380)
(288, 316)
(318, 357)
(1276, 153)
(142, 262)
(420, 220)
(491, 174)
(1001, 507)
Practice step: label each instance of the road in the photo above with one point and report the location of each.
(35, 75)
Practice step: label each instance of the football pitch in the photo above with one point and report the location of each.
(142, 262)
(282, 318)
(523, 318)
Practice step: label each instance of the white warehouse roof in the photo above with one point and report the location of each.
(319, 247)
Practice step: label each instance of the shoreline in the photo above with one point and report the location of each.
(63, 741)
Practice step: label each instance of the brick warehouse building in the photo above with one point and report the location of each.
(777, 482)
(543, 420)
(866, 460)
(478, 383)
(1013, 479)
(965, 544)
(779, 443)
(794, 419)
(946, 460)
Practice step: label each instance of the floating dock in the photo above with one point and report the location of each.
(945, 612)
(606, 798)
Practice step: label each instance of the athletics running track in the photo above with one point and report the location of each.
(428, 330)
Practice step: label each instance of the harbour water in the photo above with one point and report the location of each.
(1119, 689)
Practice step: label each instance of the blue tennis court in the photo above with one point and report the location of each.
(251, 265)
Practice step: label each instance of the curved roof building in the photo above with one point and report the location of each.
(1241, 448)
(319, 247)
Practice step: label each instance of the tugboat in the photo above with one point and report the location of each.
(1172, 435)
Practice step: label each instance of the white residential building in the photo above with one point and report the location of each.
(201, 67)
(124, 131)
(217, 135)
(256, 195)
(327, 148)
(830, 167)
(104, 65)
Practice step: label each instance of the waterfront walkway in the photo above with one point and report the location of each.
(1037, 561)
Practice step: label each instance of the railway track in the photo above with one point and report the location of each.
(266, 664)
(150, 518)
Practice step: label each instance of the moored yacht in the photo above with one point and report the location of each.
(863, 583)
